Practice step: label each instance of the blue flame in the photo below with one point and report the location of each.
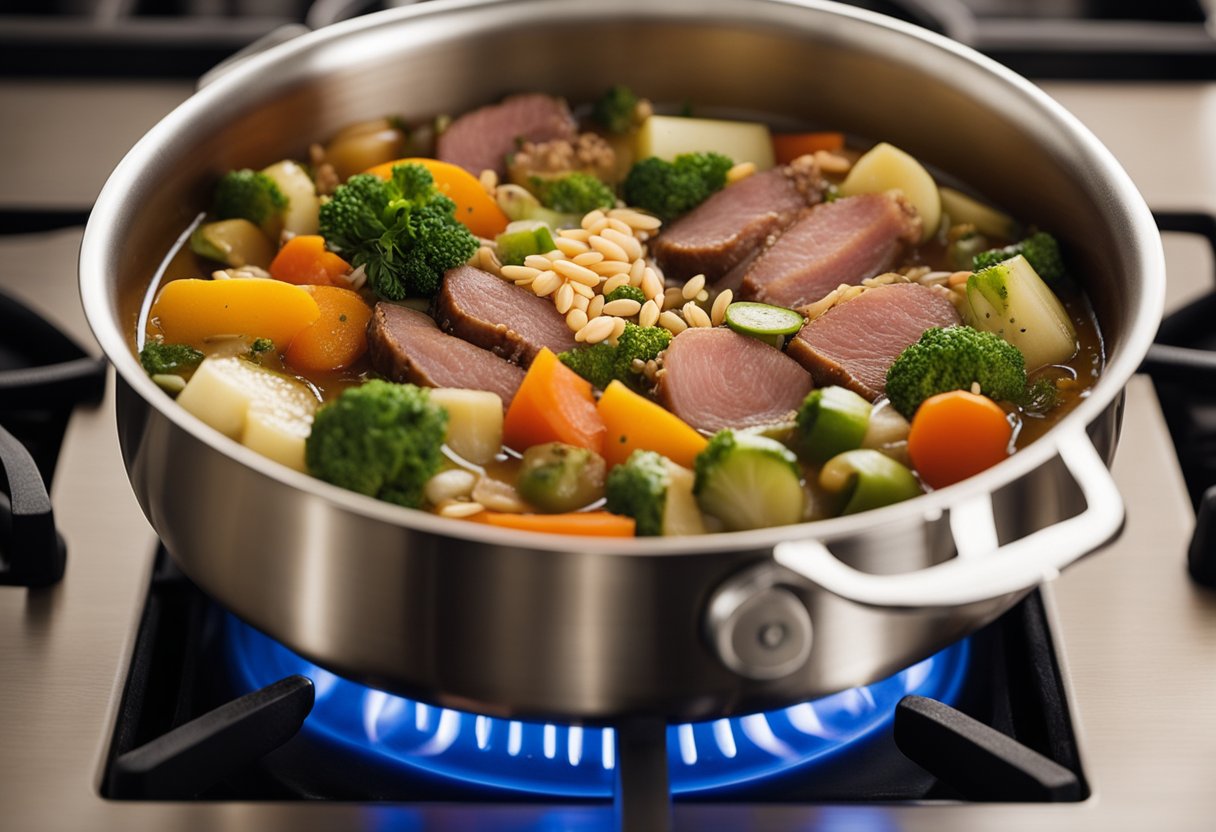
(578, 761)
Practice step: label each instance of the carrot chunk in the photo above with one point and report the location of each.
(190, 311)
(634, 422)
(587, 523)
(789, 146)
(553, 404)
(304, 260)
(956, 435)
(474, 207)
(338, 337)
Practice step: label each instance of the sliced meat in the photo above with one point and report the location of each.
(496, 315)
(407, 345)
(732, 225)
(482, 139)
(838, 242)
(717, 378)
(855, 343)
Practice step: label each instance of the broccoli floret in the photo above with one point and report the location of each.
(402, 230)
(625, 292)
(380, 439)
(1040, 249)
(614, 110)
(669, 189)
(638, 489)
(574, 193)
(168, 359)
(603, 363)
(955, 358)
(749, 481)
(250, 195)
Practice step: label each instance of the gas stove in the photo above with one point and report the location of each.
(132, 701)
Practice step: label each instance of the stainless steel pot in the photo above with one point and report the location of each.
(520, 624)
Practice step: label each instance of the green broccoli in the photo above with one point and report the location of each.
(1040, 249)
(555, 477)
(603, 363)
(749, 481)
(955, 358)
(168, 359)
(669, 189)
(380, 439)
(574, 193)
(625, 292)
(250, 195)
(656, 493)
(614, 109)
(402, 230)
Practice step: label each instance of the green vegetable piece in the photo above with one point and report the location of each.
(602, 363)
(380, 439)
(234, 243)
(749, 481)
(515, 246)
(518, 203)
(403, 230)
(832, 420)
(670, 189)
(864, 479)
(1040, 249)
(955, 358)
(656, 493)
(575, 193)
(251, 195)
(763, 321)
(625, 292)
(596, 363)
(614, 109)
(171, 384)
(168, 359)
(555, 477)
(1011, 300)
(261, 345)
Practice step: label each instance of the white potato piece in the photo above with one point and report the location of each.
(884, 168)
(1011, 300)
(669, 136)
(266, 411)
(474, 422)
(303, 207)
(681, 514)
(961, 208)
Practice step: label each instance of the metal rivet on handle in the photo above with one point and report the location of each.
(759, 630)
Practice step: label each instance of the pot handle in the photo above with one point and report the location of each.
(984, 569)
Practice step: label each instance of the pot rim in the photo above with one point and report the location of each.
(103, 235)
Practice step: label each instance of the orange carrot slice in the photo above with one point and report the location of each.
(588, 523)
(956, 435)
(474, 207)
(338, 337)
(192, 311)
(634, 422)
(304, 260)
(789, 146)
(553, 404)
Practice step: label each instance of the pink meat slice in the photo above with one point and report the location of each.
(406, 345)
(855, 343)
(732, 225)
(717, 378)
(845, 241)
(482, 139)
(499, 316)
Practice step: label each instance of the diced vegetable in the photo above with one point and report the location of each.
(1011, 300)
(864, 479)
(1040, 250)
(553, 404)
(749, 482)
(789, 146)
(960, 208)
(669, 189)
(615, 109)
(669, 136)
(763, 321)
(573, 193)
(601, 363)
(518, 203)
(557, 478)
(886, 167)
(474, 205)
(957, 434)
(337, 338)
(887, 429)
(514, 246)
(657, 493)
(585, 523)
(635, 422)
(363, 145)
(159, 358)
(832, 420)
(234, 243)
(474, 422)
(191, 311)
(251, 195)
(300, 215)
(955, 358)
(267, 411)
(304, 260)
